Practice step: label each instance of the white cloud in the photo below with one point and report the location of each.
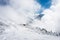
(50, 20)
(20, 10)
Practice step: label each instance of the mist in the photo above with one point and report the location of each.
(21, 10)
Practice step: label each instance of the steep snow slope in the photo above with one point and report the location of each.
(21, 33)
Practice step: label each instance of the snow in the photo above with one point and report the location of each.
(22, 33)
(18, 21)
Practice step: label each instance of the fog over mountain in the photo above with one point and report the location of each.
(29, 20)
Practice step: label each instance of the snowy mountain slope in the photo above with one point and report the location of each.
(23, 33)
(16, 21)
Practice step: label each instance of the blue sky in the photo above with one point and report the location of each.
(4, 2)
(45, 3)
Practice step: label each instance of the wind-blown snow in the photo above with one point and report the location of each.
(20, 12)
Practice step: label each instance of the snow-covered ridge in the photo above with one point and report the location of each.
(6, 23)
(40, 30)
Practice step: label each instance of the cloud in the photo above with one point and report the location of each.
(21, 10)
(50, 21)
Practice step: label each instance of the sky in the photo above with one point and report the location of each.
(45, 3)
(23, 11)
(4, 2)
